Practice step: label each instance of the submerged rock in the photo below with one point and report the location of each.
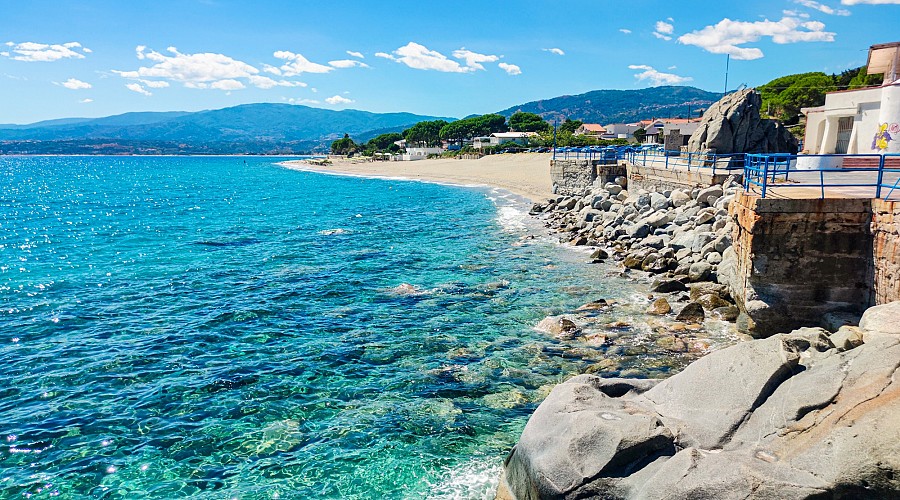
(558, 326)
(691, 313)
(659, 306)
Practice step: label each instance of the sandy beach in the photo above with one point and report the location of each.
(525, 174)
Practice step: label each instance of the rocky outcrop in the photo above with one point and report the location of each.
(799, 415)
(733, 125)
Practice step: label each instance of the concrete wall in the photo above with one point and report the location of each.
(886, 251)
(641, 177)
(803, 262)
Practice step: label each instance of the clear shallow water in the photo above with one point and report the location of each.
(211, 328)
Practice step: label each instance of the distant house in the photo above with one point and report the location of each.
(659, 129)
(621, 130)
(860, 121)
(415, 153)
(498, 138)
(591, 130)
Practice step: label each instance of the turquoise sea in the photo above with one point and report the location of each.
(228, 328)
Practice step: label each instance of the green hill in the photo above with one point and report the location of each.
(616, 106)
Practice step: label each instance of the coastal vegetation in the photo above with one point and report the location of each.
(784, 97)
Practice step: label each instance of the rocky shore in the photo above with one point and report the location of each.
(808, 414)
(681, 237)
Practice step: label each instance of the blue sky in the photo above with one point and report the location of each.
(96, 58)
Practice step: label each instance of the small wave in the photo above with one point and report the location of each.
(476, 479)
(332, 232)
(511, 218)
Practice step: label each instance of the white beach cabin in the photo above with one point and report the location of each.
(857, 121)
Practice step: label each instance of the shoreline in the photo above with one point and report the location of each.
(524, 174)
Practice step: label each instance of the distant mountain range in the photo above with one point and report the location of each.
(290, 129)
(618, 106)
(249, 128)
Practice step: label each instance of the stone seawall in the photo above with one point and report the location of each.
(886, 250)
(801, 262)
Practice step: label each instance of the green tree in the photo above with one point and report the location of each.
(425, 133)
(383, 142)
(474, 126)
(344, 146)
(805, 92)
(527, 122)
(861, 79)
(570, 126)
(783, 97)
(639, 134)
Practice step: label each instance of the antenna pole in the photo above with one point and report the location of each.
(727, 60)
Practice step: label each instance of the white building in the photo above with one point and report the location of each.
(498, 138)
(621, 130)
(859, 121)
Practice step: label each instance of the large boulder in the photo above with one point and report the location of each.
(788, 417)
(733, 125)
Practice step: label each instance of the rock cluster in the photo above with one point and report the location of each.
(801, 415)
(681, 236)
(732, 125)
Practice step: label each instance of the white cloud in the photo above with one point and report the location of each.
(155, 84)
(418, 56)
(74, 84)
(823, 8)
(347, 63)
(656, 77)
(726, 36)
(199, 71)
(511, 69)
(264, 82)
(86, 101)
(663, 30)
(664, 27)
(870, 2)
(474, 59)
(302, 101)
(268, 68)
(227, 85)
(136, 87)
(557, 51)
(358, 55)
(795, 13)
(626, 31)
(338, 100)
(297, 64)
(195, 68)
(43, 52)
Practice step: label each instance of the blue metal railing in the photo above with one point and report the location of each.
(589, 153)
(671, 159)
(879, 173)
(766, 171)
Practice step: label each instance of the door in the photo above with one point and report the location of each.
(845, 126)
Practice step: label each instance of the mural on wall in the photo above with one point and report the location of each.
(885, 134)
